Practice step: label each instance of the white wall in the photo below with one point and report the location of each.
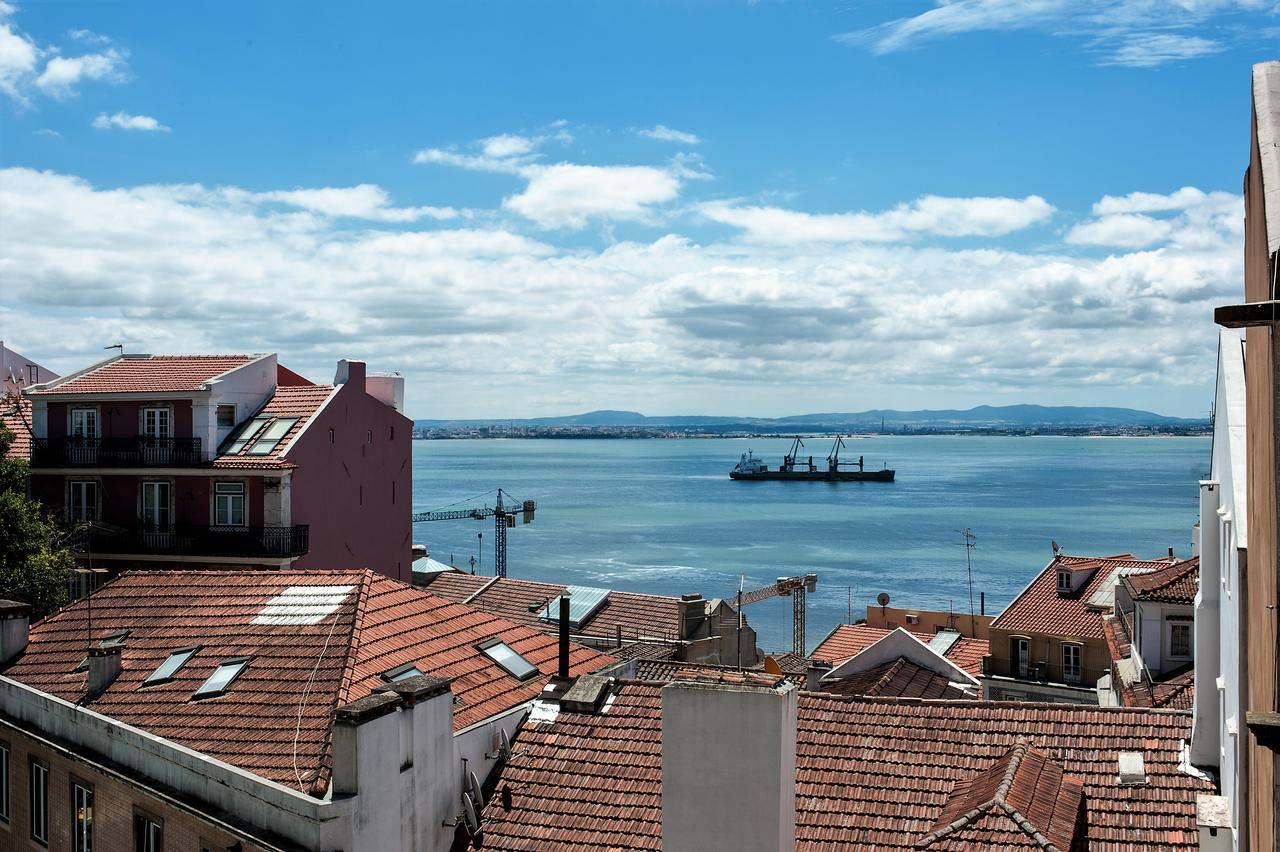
(247, 388)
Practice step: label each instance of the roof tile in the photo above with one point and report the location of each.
(150, 373)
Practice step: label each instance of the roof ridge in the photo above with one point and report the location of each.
(883, 681)
(341, 695)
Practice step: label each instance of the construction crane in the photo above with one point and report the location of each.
(503, 518)
(787, 587)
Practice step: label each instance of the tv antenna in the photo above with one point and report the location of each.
(117, 346)
(970, 542)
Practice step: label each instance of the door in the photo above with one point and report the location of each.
(82, 501)
(1072, 663)
(82, 446)
(1021, 656)
(157, 429)
(157, 518)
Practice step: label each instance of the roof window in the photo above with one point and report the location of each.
(169, 668)
(222, 676)
(400, 673)
(247, 431)
(583, 603)
(271, 436)
(508, 660)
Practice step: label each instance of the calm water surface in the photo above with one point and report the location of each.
(663, 516)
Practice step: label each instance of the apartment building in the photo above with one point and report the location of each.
(1151, 636)
(224, 461)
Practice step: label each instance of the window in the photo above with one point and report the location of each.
(155, 505)
(169, 668)
(368, 438)
(271, 436)
(222, 677)
(81, 817)
(246, 432)
(1064, 582)
(4, 782)
(1180, 639)
(1071, 663)
(400, 673)
(330, 434)
(39, 803)
(148, 835)
(82, 500)
(157, 423)
(228, 504)
(226, 416)
(84, 422)
(1020, 651)
(508, 660)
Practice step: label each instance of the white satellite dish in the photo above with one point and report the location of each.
(473, 788)
(504, 743)
(469, 814)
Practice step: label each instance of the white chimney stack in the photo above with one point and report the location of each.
(15, 628)
(728, 767)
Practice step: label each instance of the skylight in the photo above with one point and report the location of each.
(583, 603)
(170, 666)
(400, 673)
(222, 677)
(302, 605)
(508, 660)
(244, 433)
(271, 436)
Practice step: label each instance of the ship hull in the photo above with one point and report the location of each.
(819, 475)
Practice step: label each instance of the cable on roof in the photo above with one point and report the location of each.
(302, 702)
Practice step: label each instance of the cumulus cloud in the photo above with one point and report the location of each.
(662, 133)
(124, 121)
(1188, 217)
(1128, 230)
(666, 324)
(21, 76)
(19, 56)
(365, 201)
(1122, 32)
(932, 214)
(61, 74)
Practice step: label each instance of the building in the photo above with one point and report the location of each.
(1151, 637)
(929, 620)
(651, 766)
(1049, 644)
(695, 628)
(222, 461)
(848, 640)
(259, 710)
(1239, 538)
(901, 664)
(18, 372)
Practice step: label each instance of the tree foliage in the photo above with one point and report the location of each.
(35, 565)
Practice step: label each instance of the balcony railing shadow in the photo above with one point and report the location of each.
(195, 540)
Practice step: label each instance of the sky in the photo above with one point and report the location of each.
(754, 208)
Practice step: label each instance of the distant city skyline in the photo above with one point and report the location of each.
(750, 209)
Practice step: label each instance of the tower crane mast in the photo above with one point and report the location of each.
(786, 587)
(503, 516)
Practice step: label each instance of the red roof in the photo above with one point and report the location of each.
(849, 640)
(1041, 610)
(1177, 583)
(870, 774)
(1174, 689)
(297, 674)
(15, 415)
(150, 373)
(666, 671)
(900, 678)
(522, 601)
(300, 402)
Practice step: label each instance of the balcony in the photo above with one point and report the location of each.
(1041, 672)
(137, 451)
(194, 540)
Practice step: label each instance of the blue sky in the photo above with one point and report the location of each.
(755, 208)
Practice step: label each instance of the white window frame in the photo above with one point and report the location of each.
(1170, 627)
(148, 518)
(1021, 647)
(227, 498)
(82, 814)
(1064, 582)
(1068, 676)
(218, 415)
(38, 796)
(82, 510)
(153, 841)
(157, 421)
(88, 417)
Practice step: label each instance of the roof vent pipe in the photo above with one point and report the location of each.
(104, 664)
(564, 635)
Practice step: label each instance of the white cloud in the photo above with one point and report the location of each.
(507, 145)
(932, 214)
(662, 133)
(1188, 218)
(1127, 230)
(1124, 32)
(62, 73)
(664, 325)
(88, 36)
(18, 58)
(1151, 202)
(365, 201)
(124, 121)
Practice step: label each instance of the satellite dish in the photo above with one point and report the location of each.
(469, 814)
(883, 599)
(1056, 548)
(473, 788)
(504, 743)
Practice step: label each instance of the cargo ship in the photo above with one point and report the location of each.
(793, 467)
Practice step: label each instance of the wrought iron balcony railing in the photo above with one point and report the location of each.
(1042, 672)
(195, 540)
(137, 451)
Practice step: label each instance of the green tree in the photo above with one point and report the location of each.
(35, 565)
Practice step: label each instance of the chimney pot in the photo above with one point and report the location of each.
(814, 673)
(104, 664)
(564, 635)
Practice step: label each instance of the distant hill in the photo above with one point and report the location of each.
(1013, 416)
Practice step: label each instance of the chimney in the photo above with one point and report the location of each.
(357, 740)
(814, 673)
(104, 664)
(563, 671)
(350, 373)
(693, 611)
(15, 627)
(418, 551)
(1171, 554)
(748, 803)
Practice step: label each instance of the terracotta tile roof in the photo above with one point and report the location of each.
(298, 673)
(1177, 583)
(898, 678)
(1022, 800)
(666, 671)
(1040, 610)
(1117, 638)
(870, 773)
(1174, 689)
(522, 601)
(15, 415)
(849, 640)
(151, 373)
(295, 401)
(645, 651)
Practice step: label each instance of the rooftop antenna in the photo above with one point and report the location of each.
(1057, 548)
(970, 542)
(119, 346)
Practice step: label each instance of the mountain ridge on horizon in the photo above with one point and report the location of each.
(987, 415)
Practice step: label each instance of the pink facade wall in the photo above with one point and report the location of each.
(353, 484)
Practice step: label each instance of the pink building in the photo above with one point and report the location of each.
(222, 461)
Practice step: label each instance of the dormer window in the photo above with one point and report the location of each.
(1064, 582)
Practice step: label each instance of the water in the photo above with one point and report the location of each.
(662, 516)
